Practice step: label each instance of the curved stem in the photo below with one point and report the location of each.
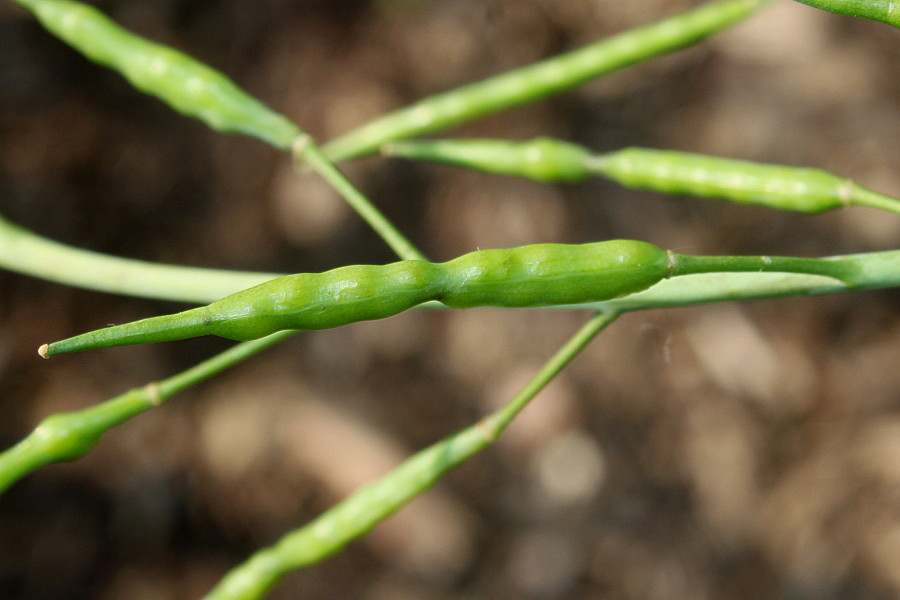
(30, 254)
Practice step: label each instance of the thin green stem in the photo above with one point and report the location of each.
(542, 79)
(871, 270)
(68, 436)
(682, 264)
(496, 423)
(30, 254)
(359, 513)
(865, 197)
(305, 148)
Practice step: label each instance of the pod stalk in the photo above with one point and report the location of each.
(684, 264)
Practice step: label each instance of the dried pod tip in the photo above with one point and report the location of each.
(44, 351)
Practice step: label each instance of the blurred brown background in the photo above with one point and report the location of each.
(724, 452)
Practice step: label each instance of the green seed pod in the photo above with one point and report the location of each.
(186, 85)
(542, 159)
(538, 275)
(324, 300)
(774, 186)
(886, 11)
(551, 274)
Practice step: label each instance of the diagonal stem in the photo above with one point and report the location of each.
(305, 148)
(542, 79)
(69, 436)
(359, 513)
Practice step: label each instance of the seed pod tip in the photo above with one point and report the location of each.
(44, 351)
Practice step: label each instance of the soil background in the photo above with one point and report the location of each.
(728, 452)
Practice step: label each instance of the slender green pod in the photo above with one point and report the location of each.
(183, 83)
(542, 159)
(886, 11)
(354, 517)
(537, 275)
(773, 186)
(542, 79)
(528, 276)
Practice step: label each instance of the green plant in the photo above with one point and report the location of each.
(528, 276)
(183, 83)
(538, 275)
(67, 436)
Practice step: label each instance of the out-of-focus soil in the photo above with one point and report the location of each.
(728, 452)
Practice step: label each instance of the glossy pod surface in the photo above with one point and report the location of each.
(549, 274)
(325, 300)
(537, 275)
(183, 83)
(775, 186)
(541, 159)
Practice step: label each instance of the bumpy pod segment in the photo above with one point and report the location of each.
(538, 275)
